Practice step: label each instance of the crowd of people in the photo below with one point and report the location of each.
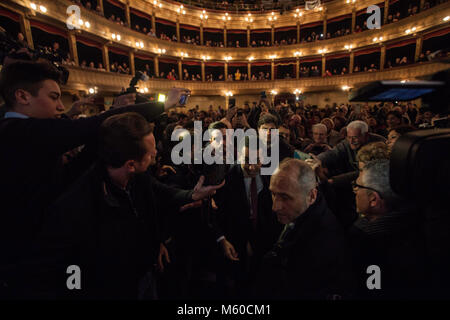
(105, 193)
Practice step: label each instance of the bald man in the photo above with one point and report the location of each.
(309, 260)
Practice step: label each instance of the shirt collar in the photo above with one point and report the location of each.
(12, 114)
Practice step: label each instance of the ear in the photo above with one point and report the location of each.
(374, 199)
(22, 96)
(312, 196)
(130, 166)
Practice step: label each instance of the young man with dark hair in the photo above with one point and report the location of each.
(33, 141)
(266, 123)
(107, 222)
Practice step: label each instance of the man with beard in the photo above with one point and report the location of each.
(106, 224)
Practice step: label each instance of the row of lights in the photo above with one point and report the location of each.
(34, 6)
(272, 92)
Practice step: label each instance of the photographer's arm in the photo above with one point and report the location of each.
(57, 136)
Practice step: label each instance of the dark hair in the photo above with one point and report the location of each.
(395, 114)
(402, 129)
(25, 75)
(121, 138)
(267, 118)
(217, 125)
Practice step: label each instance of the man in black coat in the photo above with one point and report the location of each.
(309, 260)
(387, 237)
(33, 142)
(106, 224)
(342, 168)
(247, 227)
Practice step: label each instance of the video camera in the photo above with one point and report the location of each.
(420, 169)
(417, 157)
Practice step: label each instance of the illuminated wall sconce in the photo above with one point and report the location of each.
(204, 58)
(273, 56)
(161, 51)
(139, 44)
(408, 31)
(183, 54)
(298, 13)
(228, 58)
(447, 18)
(345, 88)
(251, 58)
(116, 36)
(297, 54)
(43, 9)
(203, 15)
(181, 10)
(297, 91)
(274, 92)
(229, 94)
(93, 90)
(226, 17)
(348, 47)
(322, 51)
(377, 39)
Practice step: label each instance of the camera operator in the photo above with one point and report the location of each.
(33, 142)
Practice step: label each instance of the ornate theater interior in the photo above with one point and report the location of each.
(220, 49)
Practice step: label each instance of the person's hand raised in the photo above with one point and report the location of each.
(174, 96)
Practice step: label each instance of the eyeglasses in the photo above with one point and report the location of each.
(356, 186)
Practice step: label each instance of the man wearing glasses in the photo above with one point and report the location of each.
(386, 235)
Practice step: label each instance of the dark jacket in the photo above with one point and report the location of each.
(110, 233)
(341, 160)
(33, 176)
(234, 212)
(395, 244)
(311, 262)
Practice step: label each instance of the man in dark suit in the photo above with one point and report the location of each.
(309, 259)
(107, 221)
(248, 226)
(33, 142)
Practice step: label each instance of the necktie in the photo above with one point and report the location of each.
(254, 201)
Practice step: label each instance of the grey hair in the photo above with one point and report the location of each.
(376, 176)
(358, 124)
(320, 125)
(306, 177)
